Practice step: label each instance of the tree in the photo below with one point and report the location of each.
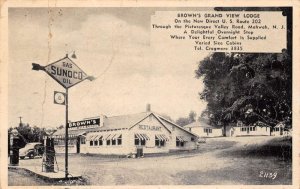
(182, 121)
(192, 116)
(247, 87)
(29, 134)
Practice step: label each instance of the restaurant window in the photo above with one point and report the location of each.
(156, 141)
(182, 143)
(159, 142)
(108, 142)
(139, 141)
(136, 140)
(100, 142)
(120, 140)
(179, 143)
(91, 143)
(96, 143)
(113, 142)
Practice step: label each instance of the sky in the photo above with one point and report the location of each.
(112, 44)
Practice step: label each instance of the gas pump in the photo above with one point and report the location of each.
(49, 154)
(14, 148)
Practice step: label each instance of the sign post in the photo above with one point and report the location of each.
(66, 138)
(67, 74)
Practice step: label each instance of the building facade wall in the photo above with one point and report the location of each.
(247, 131)
(160, 139)
(190, 142)
(105, 148)
(200, 131)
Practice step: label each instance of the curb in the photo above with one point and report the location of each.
(43, 176)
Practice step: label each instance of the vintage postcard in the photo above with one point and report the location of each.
(138, 94)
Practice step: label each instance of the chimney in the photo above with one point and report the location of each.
(148, 108)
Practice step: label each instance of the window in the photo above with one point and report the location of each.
(179, 142)
(91, 143)
(182, 143)
(96, 143)
(113, 142)
(108, 142)
(207, 130)
(250, 128)
(119, 140)
(158, 142)
(192, 139)
(100, 142)
(136, 140)
(139, 141)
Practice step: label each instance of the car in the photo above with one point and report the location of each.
(31, 150)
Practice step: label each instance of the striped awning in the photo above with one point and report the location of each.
(142, 136)
(116, 136)
(181, 139)
(98, 137)
(162, 137)
(107, 137)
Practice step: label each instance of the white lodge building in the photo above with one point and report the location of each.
(203, 129)
(123, 135)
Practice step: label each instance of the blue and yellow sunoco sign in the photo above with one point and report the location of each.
(65, 72)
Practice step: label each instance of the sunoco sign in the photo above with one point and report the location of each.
(65, 72)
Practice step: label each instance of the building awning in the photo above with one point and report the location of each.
(181, 139)
(162, 137)
(60, 134)
(142, 136)
(107, 137)
(146, 136)
(98, 137)
(116, 136)
(111, 137)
